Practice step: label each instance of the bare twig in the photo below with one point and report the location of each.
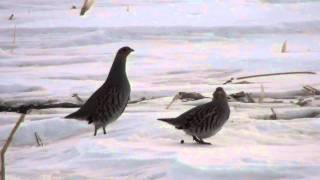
(75, 95)
(137, 100)
(49, 105)
(275, 74)
(242, 82)
(229, 81)
(7, 143)
(22, 108)
(14, 38)
(238, 95)
(191, 95)
(11, 17)
(262, 94)
(274, 115)
(86, 6)
(311, 90)
(270, 74)
(173, 100)
(38, 139)
(186, 96)
(303, 102)
(242, 97)
(284, 47)
(250, 99)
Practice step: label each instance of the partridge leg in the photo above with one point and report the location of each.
(104, 130)
(95, 130)
(200, 141)
(203, 142)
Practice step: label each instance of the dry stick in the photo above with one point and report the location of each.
(274, 115)
(14, 38)
(284, 47)
(262, 94)
(22, 108)
(86, 6)
(303, 102)
(186, 96)
(250, 99)
(269, 74)
(311, 90)
(38, 139)
(191, 95)
(11, 17)
(75, 95)
(137, 100)
(276, 74)
(177, 96)
(7, 143)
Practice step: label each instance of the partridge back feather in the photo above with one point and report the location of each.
(205, 120)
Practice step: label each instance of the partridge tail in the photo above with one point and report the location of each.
(169, 120)
(77, 115)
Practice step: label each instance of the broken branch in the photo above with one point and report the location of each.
(274, 115)
(269, 74)
(7, 143)
(38, 139)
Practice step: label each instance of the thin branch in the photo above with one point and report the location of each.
(7, 143)
(23, 108)
(229, 81)
(250, 99)
(173, 100)
(274, 115)
(276, 74)
(269, 74)
(284, 47)
(11, 17)
(186, 96)
(38, 139)
(137, 100)
(79, 99)
(262, 94)
(86, 6)
(311, 90)
(27, 107)
(14, 38)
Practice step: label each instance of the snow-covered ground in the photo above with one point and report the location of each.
(180, 45)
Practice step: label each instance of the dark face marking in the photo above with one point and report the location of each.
(125, 50)
(219, 93)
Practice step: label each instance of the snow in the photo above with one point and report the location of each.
(180, 45)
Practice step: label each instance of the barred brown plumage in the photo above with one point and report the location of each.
(110, 100)
(205, 120)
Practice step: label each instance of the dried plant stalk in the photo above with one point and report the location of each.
(269, 74)
(284, 47)
(274, 115)
(7, 143)
(86, 6)
(11, 17)
(14, 39)
(173, 100)
(38, 139)
(79, 99)
(262, 94)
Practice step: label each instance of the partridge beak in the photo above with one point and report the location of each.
(131, 50)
